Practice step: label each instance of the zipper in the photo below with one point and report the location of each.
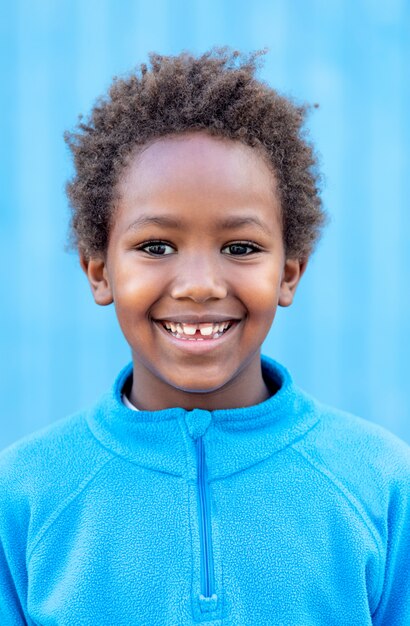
(207, 564)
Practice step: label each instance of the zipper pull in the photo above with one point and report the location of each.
(208, 604)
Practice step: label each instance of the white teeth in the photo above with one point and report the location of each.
(181, 330)
(206, 329)
(189, 329)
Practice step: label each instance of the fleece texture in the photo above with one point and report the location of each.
(285, 513)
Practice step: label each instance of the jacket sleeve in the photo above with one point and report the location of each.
(11, 612)
(14, 517)
(394, 605)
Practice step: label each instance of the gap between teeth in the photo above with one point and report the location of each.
(189, 330)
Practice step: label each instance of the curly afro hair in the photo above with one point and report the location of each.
(217, 93)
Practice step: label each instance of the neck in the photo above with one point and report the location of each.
(246, 388)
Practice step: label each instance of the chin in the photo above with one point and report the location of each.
(193, 385)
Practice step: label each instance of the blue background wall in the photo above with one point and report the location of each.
(347, 336)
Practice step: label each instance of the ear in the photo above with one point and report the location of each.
(96, 271)
(292, 273)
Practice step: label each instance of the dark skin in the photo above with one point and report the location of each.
(196, 239)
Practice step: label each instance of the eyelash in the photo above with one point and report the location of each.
(158, 242)
(244, 244)
(155, 242)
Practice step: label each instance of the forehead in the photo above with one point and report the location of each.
(200, 173)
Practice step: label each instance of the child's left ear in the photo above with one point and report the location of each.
(292, 273)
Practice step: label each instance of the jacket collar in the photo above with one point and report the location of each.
(234, 439)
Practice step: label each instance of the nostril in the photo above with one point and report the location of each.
(199, 291)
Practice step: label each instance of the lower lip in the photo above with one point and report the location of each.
(199, 345)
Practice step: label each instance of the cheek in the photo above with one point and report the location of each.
(135, 290)
(260, 293)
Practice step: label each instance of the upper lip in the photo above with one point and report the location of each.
(198, 319)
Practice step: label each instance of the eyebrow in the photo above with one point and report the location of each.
(158, 220)
(171, 222)
(245, 220)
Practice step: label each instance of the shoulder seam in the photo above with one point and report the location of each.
(354, 504)
(63, 506)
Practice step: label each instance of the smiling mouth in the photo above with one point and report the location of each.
(197, 332)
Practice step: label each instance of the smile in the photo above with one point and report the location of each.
(197, 332)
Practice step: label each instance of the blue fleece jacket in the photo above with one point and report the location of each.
(284, 513)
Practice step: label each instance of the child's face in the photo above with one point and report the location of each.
(196, 239)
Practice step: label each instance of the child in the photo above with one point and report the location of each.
(204, 487)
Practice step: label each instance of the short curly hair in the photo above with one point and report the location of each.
(216, 92)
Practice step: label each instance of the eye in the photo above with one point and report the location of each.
(157, 248)
(241, 248)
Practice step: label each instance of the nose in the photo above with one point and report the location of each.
(199, 278)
